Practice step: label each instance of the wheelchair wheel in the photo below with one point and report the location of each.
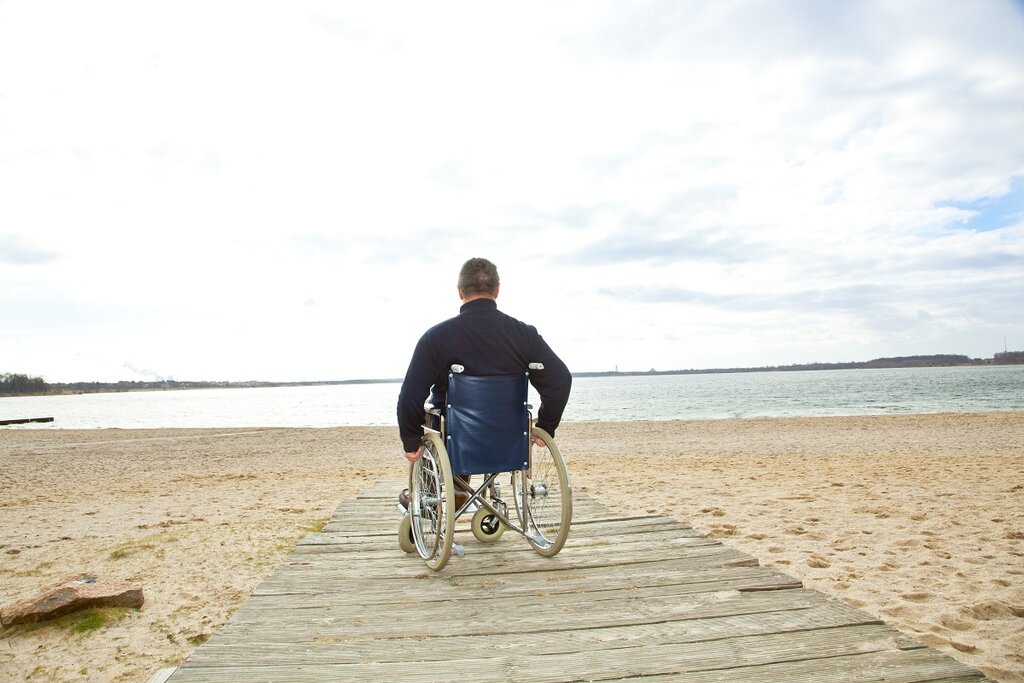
(486, 527)
(432, 504)
(545, 507)
(405, 540)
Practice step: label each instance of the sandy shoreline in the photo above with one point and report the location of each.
(918, 519)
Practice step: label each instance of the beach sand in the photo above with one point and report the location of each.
(917, 519)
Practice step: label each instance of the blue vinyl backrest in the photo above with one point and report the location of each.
(487, 423)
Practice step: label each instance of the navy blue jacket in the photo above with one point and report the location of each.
(486, 342)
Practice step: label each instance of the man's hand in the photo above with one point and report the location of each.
(415, 455)
(537, 441)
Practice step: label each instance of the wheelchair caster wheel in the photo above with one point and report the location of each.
(405, 540)
(486, 527)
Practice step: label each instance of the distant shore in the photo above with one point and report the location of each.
(41, 388)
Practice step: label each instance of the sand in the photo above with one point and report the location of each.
(917, 519)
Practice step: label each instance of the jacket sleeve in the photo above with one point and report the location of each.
(415, 389)
(553, 383)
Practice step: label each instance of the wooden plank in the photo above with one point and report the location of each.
(635, 548)
(646, 660)
(323, 648)
(538, 614)
(24, 421)
(309, 577)
(914, 666)
(162, 675)
(615, 527)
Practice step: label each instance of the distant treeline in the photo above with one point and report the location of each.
(19, 385)
(22, 385)
(932, 361)
(11, 383)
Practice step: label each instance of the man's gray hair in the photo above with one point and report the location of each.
(479, 276)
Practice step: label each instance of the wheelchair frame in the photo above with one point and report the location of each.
(428, 525)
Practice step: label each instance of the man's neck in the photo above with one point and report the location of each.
(474, 297)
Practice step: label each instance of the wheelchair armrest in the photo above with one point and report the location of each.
(431, 410)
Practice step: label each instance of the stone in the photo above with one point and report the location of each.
(70, 594)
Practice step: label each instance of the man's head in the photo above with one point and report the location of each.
(478, 279)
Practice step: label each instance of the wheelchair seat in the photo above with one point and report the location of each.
(488, 423)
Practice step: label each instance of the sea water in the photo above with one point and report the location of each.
(610, 398)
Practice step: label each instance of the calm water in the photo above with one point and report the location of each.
(666, 397)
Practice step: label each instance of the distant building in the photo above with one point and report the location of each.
(1009, 358)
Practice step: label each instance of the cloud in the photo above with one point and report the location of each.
(642, 245)
(16, 251)
(837, 299)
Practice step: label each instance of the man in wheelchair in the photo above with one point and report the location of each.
(486, 343)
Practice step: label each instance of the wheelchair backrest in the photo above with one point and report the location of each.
(487, 423)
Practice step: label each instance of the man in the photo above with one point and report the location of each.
(486, 342)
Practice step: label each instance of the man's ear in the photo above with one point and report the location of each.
(458, 288)
(496, 290)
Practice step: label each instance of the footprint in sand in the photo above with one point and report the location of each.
(956, 624)
(816, 562)
(918, 596)
(993, 609)
(963, 647)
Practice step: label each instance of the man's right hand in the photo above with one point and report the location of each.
(415, 455)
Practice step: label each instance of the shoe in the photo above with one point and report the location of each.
(403, 499)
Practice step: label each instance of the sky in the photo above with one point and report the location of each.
(285, 191)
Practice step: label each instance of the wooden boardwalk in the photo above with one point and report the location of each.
(626, 598)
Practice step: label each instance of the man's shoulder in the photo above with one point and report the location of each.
(441, 327)
(519, 323)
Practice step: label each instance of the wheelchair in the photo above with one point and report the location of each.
(485, 428)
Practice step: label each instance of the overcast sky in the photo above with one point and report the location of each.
(286, 190)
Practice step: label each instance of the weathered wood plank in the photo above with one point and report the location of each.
(892, 666)
(610, 663)
(514, 552)
(615, 528)
(535, 614)
(353, 648)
